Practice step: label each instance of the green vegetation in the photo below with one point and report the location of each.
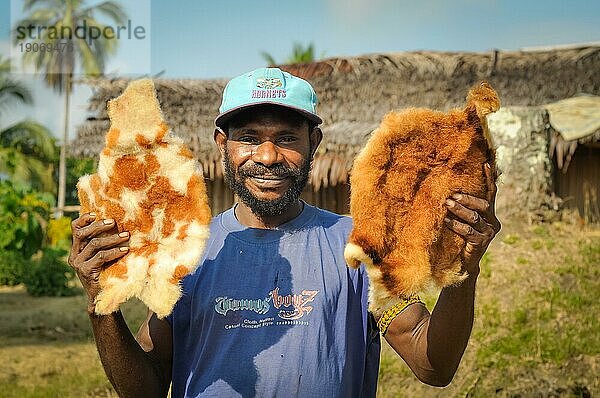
(12, 266)
(49, 275)
(485, 265)
(23, 215)
(300, 54)
(32, 246)
(27, 148)
(511, 239)
(26, 255)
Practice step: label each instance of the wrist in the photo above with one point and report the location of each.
(472, 274)
(467, 283)
(390, 309)
(91, 307)
(91, 301)
(471, 270)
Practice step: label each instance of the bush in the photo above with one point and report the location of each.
(49, 275)
(59, 233)
(23, 215)
(76, 167)
(12, 265)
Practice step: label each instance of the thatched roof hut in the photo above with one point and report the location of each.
(356, 92)
(575, 146)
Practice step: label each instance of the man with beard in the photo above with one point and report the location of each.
(273, 310)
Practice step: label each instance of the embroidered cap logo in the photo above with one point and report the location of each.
(268, 82)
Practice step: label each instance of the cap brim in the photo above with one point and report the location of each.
(224, 117)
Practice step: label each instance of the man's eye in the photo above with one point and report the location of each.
(247, 139)
(287, 139)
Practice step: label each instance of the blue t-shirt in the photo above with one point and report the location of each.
(275, 313)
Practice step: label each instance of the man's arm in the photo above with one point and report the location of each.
(139, 368)
(433, 344)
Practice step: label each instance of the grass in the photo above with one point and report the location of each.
(535, 333)
(49, 346)
(536, 326)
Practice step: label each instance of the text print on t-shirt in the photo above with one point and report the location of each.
(290, 308)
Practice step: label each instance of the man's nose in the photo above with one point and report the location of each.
(267, 154)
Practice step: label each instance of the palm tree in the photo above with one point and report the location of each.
(27, 151)
(84, 53)
(27, 148)
(300, 55)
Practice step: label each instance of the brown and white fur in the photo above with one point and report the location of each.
(150, 184)
(412, 163)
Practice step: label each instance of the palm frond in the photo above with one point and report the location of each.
(301, 54)
(268, 58)
(91, 55)
(110, 9)
(86, 55)
(25, 170)
(13, 91)
(30, 138)
(29, 4)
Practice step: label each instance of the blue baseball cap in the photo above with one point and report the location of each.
(268, 86)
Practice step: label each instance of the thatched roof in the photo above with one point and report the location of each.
(575, 121)
(355, 93)
(576, 118)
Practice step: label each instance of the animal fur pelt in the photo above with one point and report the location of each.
(150, 184)
(412, 163)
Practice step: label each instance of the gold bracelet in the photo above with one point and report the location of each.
(391, 313)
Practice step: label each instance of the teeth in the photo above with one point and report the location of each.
(269, 178)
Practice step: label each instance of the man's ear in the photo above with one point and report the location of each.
(220, 138)
(316, 135)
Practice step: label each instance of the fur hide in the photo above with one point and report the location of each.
(150, 184)
(412, 163)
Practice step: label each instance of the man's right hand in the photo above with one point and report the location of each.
(96, 244)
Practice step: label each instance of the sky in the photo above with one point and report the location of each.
(204, 39)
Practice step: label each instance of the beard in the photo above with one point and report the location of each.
(267, 208)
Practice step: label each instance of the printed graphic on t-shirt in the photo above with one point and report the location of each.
(281, 309)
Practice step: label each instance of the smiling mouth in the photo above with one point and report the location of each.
(273, 178)
(269, 181)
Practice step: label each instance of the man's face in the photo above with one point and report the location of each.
(267, 159)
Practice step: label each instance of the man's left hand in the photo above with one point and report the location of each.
(475, 220)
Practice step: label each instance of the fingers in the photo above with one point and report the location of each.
(492, 189)
(470, 217)
(90, 252)
(472, 202)
(484, 208)
(83, 220)
(477, 241)
(490, 179)
(466, 231)
(82, 231)
(76, 224)
(473, 218)
(97, 244)
(92, 267)
(93, 229)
